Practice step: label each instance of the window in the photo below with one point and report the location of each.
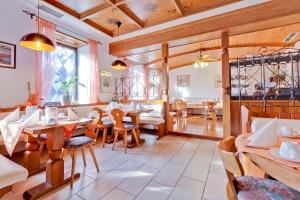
(66, 67)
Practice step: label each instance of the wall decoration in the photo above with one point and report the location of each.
(106, 82)
(7, 55)
(183, 80)
(218, 81)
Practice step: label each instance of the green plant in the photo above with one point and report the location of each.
(68, 84)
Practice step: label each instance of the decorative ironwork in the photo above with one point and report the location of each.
(273, 76)
(138, 88)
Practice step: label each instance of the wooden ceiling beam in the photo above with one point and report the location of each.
(278, 14)
(125, 10)
(89, 13)
(73, 13)
(179, 7)
(98, 27)
(63, 7)
(219, 47)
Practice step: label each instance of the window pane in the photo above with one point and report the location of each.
(66, 68)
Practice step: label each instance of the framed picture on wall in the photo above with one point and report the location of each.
(218, 81)
(106, 81)
(183, 80)
(7, 55)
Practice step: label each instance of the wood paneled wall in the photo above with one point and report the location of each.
(274, 108)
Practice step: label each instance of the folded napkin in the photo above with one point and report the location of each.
(72, 115)
(265, 136)
(11, 134)
(33, 119)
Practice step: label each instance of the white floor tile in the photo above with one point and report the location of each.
(197, 170)
(138, 180)
(118, 195)
(169, 174)
(155, 191)
(215, 188)
(102, 186)
(187, 189)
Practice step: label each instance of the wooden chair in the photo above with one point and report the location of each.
(103, 125)
(123, 128)
(79, 143)
(243, 187)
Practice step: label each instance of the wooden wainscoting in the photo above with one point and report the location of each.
(283, 109)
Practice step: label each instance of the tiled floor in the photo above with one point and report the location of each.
(171, 168)
(197, 125)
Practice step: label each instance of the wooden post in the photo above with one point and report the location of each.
(226, 85)
(165, 73)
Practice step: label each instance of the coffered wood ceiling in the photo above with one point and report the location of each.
(134, 14)
(240, 46)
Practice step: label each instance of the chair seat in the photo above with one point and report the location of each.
(43, 136)
(256, 188)
(129, 126)
(77, 142)
(108, 122)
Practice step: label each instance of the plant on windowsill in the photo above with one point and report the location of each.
(67, 85)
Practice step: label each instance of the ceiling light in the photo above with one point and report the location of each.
(119, 64)
(37, 41)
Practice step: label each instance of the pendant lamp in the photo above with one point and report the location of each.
(37, 41)
(119, 64)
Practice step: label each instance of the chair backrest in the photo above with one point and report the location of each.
(91, 128)
(101, 114)
(230, 161)
(118, 115)
(244, 119)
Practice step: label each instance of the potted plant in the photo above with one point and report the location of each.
(67, 85)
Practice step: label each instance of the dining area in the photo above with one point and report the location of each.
(52, 128)
(263, 162)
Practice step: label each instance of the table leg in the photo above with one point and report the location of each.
(135, 120)
(32, 155)
(54, 167)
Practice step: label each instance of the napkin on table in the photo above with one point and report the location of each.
(11, 135)
(72, 115)
(265, 136)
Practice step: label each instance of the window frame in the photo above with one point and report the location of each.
(76, 63)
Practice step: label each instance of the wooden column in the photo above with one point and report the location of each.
(226, 85)
(165, 73)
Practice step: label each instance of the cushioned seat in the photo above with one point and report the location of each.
(11, 172)
(77, 142)
(108, 122)
(129, 126)
(43, 136)
(256, 188)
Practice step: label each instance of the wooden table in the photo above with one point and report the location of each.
(282, 170)
(135, 119)
(55, 165)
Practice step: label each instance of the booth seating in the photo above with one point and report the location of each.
(153, 120)
(10, 174)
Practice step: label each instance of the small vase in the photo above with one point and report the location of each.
(66, 100)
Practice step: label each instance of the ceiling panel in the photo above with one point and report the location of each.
(109, 16)
(193, 6)
(81, 5)
(154, 11)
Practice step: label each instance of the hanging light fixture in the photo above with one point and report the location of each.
(37, 41)
(119, 64)
(201, 61)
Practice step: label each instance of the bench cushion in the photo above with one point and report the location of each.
(11, 172)
(151, 120)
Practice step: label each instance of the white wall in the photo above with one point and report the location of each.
(13, 82)
(13, 25)
(202, 82)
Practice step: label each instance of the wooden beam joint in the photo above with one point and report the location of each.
(179, 7)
